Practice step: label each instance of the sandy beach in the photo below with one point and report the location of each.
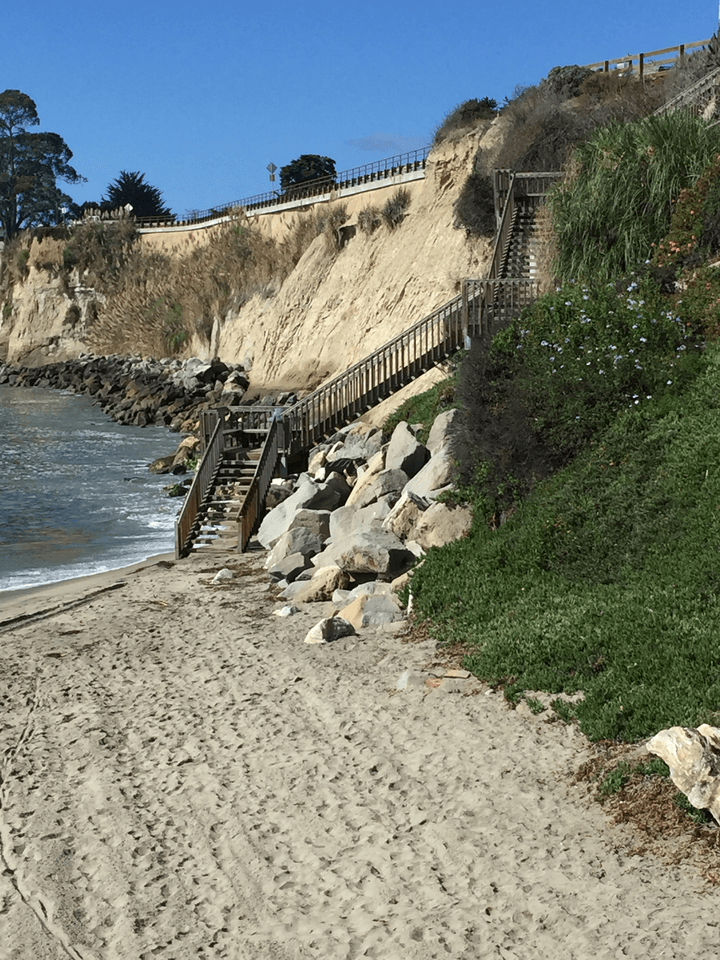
(182, 777)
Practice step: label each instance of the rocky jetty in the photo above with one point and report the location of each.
(137, 392)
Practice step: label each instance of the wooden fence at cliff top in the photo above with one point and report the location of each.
(654, 61)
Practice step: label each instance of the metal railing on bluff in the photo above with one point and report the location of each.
(356, 176)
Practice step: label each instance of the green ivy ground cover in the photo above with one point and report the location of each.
(605, 580)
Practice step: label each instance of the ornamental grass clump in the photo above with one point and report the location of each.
(617, 199)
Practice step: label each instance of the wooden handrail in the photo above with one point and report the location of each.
(249, 515)
(504, 229)
(695, 98)
(199, 489)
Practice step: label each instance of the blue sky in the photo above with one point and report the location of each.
(201, 96)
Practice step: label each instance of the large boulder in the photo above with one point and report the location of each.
(405, 452)
(316, 521)
(694, 760)
(297, 540)
(376, 551)
(446, 433)
(372, 611)
(289, 568)
(382, 484)
(325, 581)
(375, 465)
(356, 447)
(441, 524)
(405, 514)
(309, 496)
(329, 629)
(370, 517)
(341, 522)
(437, 473)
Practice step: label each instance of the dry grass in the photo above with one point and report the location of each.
(163, 301)
(648, 806)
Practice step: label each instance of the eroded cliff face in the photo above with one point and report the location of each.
(46, 313)
(332, 310)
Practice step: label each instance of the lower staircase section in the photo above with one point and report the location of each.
(228, 493)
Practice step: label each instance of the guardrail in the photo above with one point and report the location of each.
(367, 173)
(199, 489)
(641, 63)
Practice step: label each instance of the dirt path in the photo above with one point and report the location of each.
(182, 777)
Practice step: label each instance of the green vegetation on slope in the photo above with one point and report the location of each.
(605, 578)
(616, 201)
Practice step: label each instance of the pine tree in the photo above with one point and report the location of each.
(146, 200)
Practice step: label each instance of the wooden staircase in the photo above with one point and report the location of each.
(243, 445)
(220, 511)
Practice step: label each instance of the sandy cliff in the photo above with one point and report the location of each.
(332, 310)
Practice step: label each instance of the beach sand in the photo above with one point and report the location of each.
(182, 777)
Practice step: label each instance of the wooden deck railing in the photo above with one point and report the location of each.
(196, 495)
(652, 62)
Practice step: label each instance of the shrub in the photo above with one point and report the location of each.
(329, 220)
(475, 206)
(694, 232)
(394, 209)
(468, 114)
(585, 352)
(566, 82)
(562, 112)
(616, 201)
(100, 252)
(369, 219)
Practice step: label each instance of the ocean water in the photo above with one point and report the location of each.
(76, 495)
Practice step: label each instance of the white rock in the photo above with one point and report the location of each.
(441, 524)
(223, 574)
(330, 628)
(287, 611)
(694, 760)
(437, 472)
